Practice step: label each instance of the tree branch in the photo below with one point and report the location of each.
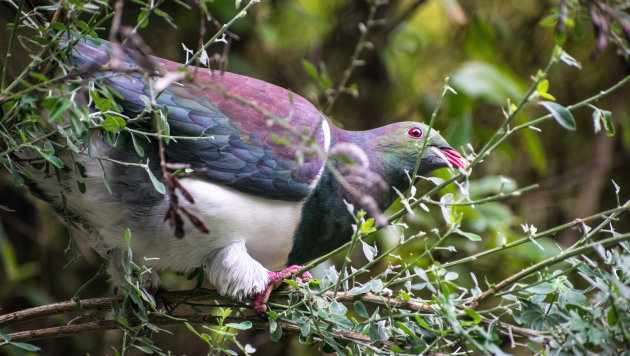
(198, 297)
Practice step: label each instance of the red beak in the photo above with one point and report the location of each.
(455, 158)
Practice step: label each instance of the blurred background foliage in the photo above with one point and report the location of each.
(489, 50)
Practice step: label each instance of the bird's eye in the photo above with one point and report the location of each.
(415, 132)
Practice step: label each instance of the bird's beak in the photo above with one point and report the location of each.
(454, 158)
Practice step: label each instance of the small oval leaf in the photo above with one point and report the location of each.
(159, 186)
(25, 346)
(561, 114)
(52, 159)
(360, 309)
(240, 326)
(310, 69)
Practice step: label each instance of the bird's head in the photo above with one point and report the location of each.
(395, 148)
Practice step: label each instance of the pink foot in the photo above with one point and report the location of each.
(275, 280)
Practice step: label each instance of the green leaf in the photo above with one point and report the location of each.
(421, 322)
(451, 276)
(608, 125)
(603, 117)
(113, 123)
(275, 330)
(52, 159)
(59, 26)
(137, 146)
(374, 334)
(101, 103)
(25, 346)
(469, 235)
(421, 273)
(192, 329)
(338, 308)
(332, 346)
(39, 76)
(106, 182)
(360, 309)
(559, 37)
(611, 317)
(408, 331)
(353, 90)
(542, 86)
(547, 96)
(376, 285)
(474, 315)
(542, 288)
(144, 349)
(273, 315)
(573, 298)
(166, 17)
(368, 226)
(360, 289)
(240, 326)
(549, 20)
(143, 19)
(6, 208)
(49, 102)
(310, 69)
(80, 175)
(163, 127)
(570, 61)
(60, 106)
(123, 321)
(127, 237)
(18, 181)
(305, 329)
(159, 186)
(561, 114)
(368, 251)
(396, 349)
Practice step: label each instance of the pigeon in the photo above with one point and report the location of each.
(258, 179)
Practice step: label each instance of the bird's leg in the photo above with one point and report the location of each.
(275, 280)
(234, 272)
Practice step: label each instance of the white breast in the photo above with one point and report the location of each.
(267, 226)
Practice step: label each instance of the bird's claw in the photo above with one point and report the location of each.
(275, 280)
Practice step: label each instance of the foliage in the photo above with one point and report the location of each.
(404, 290)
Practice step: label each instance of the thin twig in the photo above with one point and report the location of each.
(221, 31)
(364, 29)
(546, 263)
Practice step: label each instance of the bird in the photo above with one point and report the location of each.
(265, 185)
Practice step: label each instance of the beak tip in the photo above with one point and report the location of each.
(455, 159)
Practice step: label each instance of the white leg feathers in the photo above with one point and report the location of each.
(234, 272)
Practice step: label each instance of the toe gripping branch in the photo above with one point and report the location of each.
(275, 280)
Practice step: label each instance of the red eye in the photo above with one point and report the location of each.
(415, 132)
